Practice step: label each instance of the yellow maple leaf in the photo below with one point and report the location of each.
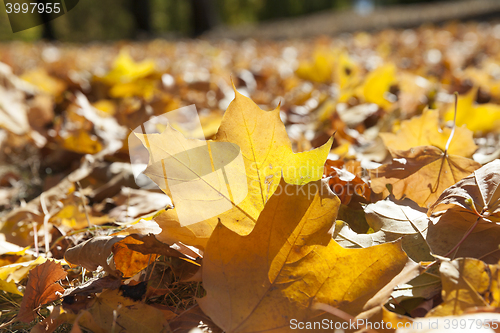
(261, 281)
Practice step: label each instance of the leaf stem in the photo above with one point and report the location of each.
(454, 125)
(83, 203)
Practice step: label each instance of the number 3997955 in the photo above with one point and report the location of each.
(33, 7)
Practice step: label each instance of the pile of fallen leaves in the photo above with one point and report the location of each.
(368, 195)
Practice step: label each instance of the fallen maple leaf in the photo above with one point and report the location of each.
(195, 234)
(477, 193)
(421, 174)
(45, 82)
(41, 288)
(424, 131)
(261, 281)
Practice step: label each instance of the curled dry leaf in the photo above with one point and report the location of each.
(136, 252)
(260, 281)
(424, 131)
(131, 254)
(94, 253)
(41, 288)
(421, 174)
(94, 285)
(474, 202)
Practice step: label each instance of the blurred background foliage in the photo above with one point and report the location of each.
(100, 20)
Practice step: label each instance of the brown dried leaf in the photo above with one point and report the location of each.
(41, 288)
(94, 253)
